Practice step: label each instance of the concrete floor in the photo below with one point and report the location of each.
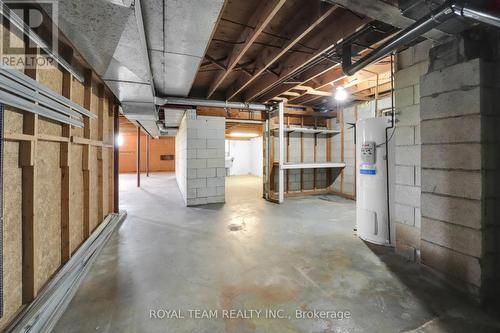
(254, 255)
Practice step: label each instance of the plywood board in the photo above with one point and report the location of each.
(12, 242)
(76, 197)
(13, 120)
(94, 106)
(51, 78)
(48, 213)
(77, 94)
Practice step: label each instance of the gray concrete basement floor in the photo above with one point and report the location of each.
(254, 255)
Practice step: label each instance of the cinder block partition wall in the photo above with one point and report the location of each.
(200, 159)
(460, 112)
(411, 65)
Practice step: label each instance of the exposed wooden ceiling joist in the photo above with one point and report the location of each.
(344, 25)
(319, 77)
(261, 18)
(303, 29)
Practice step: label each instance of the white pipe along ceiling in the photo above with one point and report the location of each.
(142, 49)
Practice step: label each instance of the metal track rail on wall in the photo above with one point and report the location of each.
(20, 91)
(43, 313)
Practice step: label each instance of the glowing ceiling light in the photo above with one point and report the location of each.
(340, 94)
(119, 140)
(243, 135)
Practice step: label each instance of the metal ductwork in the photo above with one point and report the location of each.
(193, 102)
(448, 10)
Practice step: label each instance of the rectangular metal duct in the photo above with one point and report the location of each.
(20, 91)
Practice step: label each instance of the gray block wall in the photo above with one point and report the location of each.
(460, 113)
(201, 168)
(411, 64)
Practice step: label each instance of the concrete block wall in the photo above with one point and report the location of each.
(204, 159)
(411, 64)
(460, 167)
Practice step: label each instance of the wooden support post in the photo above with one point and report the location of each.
(27, 159)
(116, 160)
(66, 176)
(342, 138)
(355, 149)
(315, 152)
(147, 154)
(287, 159)
(138, 163)
(100, 152)
(281, 151)
(87, 101)
(329, 138)
(302, 155)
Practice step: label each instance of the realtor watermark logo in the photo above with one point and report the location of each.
(27, 24)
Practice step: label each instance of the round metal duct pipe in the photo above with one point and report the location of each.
(210, 103)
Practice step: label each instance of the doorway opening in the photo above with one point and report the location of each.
(244, 159)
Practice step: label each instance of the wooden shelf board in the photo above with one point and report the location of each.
(308, 130)
(324, 165)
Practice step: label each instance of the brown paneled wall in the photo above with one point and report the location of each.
(158, 147)
(58, 182)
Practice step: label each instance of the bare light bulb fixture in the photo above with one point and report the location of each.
(340, 94)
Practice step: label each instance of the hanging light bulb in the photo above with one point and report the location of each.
(340, 94)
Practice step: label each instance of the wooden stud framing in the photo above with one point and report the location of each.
(27, 161)
(87, 102)
(329, 138)
(66, 176)
(45, 224)
(300, 120)
(27, 156)
(342, 137)
(116, 159)
(100, 152)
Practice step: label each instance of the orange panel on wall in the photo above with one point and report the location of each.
(158, 147)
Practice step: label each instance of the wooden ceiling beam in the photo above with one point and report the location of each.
(353, 84)
(339, 79)
(334, 73)
(260, 20)
(344, 25)
(303, 29)
(215, 62)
